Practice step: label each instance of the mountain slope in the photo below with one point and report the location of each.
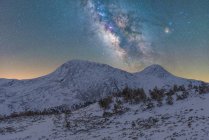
(184, 119)
(156, 75)
(77, 82)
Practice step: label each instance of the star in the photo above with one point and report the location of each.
(167, 30)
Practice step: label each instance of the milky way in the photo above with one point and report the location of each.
(121, 30)
(37, 36)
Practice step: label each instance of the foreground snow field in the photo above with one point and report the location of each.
(185, 119)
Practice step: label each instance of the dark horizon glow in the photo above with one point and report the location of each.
(37, 36)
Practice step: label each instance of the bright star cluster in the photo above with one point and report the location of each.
(121, 31)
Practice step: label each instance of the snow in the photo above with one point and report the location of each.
(185, 119)
(77, 82)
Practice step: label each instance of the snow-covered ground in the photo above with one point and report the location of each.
(76, 82)
(185, 119)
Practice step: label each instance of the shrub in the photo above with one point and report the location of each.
(181, 88)
(169, 100)
(190, 85)
(127, 94)
(50, 111)
(175, 88)
(157, 94)
(203, 88)
(105, 103)
(182, 96)
(118, 101)
(134, 95)
(107, 114)
(139, 95)
(170, 92)
(118, 109)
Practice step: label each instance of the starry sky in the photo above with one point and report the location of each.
(37, 36)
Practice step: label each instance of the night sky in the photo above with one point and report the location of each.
(37, 36)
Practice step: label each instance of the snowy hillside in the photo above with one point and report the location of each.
(185, 118)
(77, 82)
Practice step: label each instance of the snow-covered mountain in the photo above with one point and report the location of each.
(77, 82)
(167, 112)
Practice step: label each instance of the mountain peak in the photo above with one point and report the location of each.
(73, 66)
(155, 67)
(81, 67)
(76, 62)
(156, 70)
